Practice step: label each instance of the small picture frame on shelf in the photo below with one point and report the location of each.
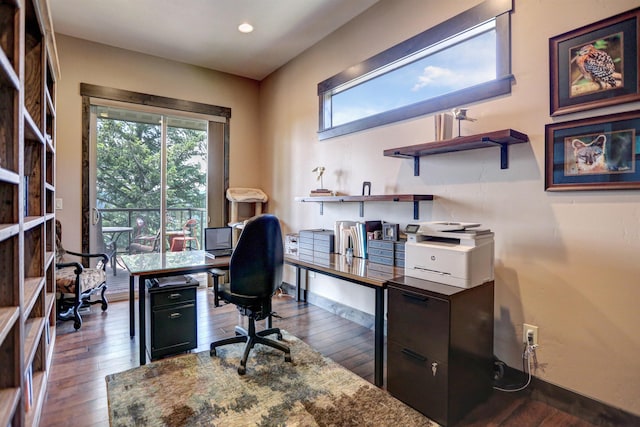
(596, 65)
(598, 153)
(390, 231)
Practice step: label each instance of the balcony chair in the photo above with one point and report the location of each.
(105, 245)
(142, 242)
(76, 284)
(255, 273)
(179, 242)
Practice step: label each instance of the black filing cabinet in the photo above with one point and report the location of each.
(439, 346)
(171, 320)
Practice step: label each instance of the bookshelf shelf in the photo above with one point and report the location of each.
(412, 198)
(8, 317)
(9, 399)
(28, 75)
(501, 138)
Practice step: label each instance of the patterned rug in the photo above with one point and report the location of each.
(199, 390)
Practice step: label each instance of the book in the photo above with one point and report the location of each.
(321, 192)
(340, 245)
(28, 389)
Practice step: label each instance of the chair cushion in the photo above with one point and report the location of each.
(256, 307)
(89, 279)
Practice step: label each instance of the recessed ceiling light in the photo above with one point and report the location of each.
(245, 27)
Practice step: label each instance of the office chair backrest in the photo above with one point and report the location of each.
(255, 268)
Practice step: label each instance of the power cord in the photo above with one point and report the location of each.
(528, 353)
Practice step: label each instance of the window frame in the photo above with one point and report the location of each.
(501, 85)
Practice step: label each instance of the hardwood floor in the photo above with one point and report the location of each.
(77, 392)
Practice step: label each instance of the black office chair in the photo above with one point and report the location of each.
(255, 274)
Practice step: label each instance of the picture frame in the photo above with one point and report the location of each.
(596, 65)
(601, 153)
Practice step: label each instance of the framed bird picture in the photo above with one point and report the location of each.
(596, 65)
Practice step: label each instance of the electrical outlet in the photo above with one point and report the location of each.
(529, 329)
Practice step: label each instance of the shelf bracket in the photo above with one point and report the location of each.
(504, 152)
(416, 166)
(416, 210)
(361, 209)
(321, 208)
(504, 156)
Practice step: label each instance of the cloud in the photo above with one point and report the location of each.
(444, 77)
(435, 75)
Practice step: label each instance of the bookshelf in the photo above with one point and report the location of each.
(500, 138)
(28, 72)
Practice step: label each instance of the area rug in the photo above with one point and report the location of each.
(200, 390)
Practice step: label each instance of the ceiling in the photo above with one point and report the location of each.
(204, 32)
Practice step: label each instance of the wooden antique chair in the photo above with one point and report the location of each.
(76, 284)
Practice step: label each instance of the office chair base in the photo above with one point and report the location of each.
(251, 338)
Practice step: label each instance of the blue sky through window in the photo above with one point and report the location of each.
(469, 62)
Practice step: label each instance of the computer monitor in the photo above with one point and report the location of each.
(218, 238)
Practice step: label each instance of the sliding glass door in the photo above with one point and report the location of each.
(148, 186)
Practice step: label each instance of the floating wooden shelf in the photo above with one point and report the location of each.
(414, 198)
(502, 138)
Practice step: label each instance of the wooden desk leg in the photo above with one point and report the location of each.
(142, 336)
(379, 338)
(132, 311)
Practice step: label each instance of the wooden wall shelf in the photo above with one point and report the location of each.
(413, 198)
(501, 138)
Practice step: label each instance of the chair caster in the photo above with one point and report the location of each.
(212, 351)
(287, 358)
(77, 324)
(104, 306)
(279, 336)
(242, 370)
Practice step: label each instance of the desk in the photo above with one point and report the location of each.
(360, 272)
(153, 265)
(115, 233)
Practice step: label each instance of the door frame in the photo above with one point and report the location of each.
(221, 142)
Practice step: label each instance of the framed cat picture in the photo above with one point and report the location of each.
(598, 153)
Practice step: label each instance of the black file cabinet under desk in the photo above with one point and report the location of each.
(440, 346)
(171, 320)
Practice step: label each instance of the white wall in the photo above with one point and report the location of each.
(86, 62)
(565, 262)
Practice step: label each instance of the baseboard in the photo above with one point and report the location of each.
(360, 317)
(591, 410)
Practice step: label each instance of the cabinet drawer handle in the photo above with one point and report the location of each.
(414, 355)
(421, 298)
(174, 296)
(175, 315)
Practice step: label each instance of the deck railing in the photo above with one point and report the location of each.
(146, 221)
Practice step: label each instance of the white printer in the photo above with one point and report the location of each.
(454, 253)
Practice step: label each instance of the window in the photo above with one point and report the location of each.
(462, 60)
